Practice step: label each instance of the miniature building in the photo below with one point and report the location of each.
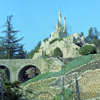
(60, 31)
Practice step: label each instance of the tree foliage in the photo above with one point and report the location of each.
(33, 51)
(9, 45)
(21, 54)
(10, 90)
(46, 39)
(93, 36)
(44, 54)
(56, 39)
(87, 49)
(57, 52)
(81, 34)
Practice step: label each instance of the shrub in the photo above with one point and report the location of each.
(57, 52)
(30, 54)
(68, 95)
(36, 50)
(10, 90)
(44, 54)
(56, 39)
(33, 51)
(87, 49)
(46, 39)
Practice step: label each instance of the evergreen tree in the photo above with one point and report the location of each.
(93, 37)
(81, 34)
(39, 44)
(10, 47)
(33, 51)
(10, 90)
(30, 54)
(21, 54)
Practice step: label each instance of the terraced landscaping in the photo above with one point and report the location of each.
(41, 86)
(89, 84)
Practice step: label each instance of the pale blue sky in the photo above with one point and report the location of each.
(36, 18)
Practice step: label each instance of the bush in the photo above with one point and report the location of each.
(57, 52)
(30, 54)
(46, 39)
(44, 55)
(87, 49)
(33, 51)
(68, 95)
(56, 39)
(10, 90)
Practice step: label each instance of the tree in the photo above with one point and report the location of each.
(10, 90)
(30, 54)
(81, 34)
(21, 54)
(57, 52)
(93, 33)
(33, 51)
(10, 47)
(93, 37)
(39, 44)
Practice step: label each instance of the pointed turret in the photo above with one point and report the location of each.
(59, 15)
(64, 24)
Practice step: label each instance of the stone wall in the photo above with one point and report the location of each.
(17, 67)
(90, 66)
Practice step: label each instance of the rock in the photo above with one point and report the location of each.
(68, 45)
(89, 44)
(68, 48)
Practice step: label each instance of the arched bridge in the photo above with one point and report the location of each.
(17, 67)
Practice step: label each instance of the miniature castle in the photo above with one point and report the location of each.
(60, 31)
(68, 45)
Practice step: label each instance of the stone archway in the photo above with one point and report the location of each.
(24, 73)
(7, 72)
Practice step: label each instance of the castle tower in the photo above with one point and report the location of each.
(60, 31)
(64, 24)
(59, 15)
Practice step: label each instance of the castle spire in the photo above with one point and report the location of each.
(64, 23)
(59, 15)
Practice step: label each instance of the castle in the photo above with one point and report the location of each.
(68, 45)
(60, 31)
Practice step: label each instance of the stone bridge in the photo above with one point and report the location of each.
(18, 67)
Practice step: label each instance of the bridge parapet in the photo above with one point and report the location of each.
(15, 66)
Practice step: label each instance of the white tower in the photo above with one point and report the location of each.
(64, 23)
(59, 15)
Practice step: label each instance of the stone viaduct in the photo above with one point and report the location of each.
(17, 67)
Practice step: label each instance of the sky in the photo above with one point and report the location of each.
(36, 19)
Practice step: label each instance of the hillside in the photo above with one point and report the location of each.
(89, 85)
(50, 82)
(68, 45)
(84, 68)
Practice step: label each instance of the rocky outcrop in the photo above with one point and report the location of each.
(89, 44)
(66, 45)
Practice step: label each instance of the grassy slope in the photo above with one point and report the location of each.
(71, 65)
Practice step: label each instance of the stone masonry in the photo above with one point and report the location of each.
(17, 67)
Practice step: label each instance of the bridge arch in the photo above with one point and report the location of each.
(7, 72)
(24, 72)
